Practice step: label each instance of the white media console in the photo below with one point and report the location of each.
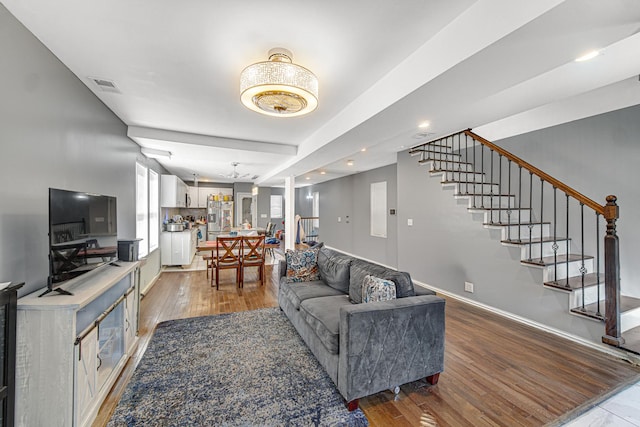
(71, 348)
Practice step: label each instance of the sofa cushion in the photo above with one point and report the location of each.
(375, 289)
(297, 292)
(334, 270)
(302, 265)
(404, 285)
(358, 271)
(323, 316)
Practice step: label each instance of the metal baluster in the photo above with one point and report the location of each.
(582, 270)
(491, 190)
(567, 254)
(466, 166)
(541, 216)
(520, 204)
(555, 246)
(598, 263)
(459, 165)
(475, 170)
(482, 167)
(509, 202)
(530, 224)
(499, 187)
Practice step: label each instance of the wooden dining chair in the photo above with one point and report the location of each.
(253, 256)
(228, 252)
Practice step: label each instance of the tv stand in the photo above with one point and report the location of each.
(58, 290)
(72, 348)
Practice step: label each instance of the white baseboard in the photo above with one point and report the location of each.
(612, 351)
(153, 281)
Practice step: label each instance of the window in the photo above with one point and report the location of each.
(154, 210)
(379, 209)
(276, 206)
(147, 209)
(142, 209)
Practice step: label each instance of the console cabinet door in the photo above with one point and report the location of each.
(86, 362)
(130, 316)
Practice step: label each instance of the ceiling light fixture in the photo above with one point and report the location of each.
(152, 153)
(323, 172)
(349, 162)
(363, 149)
(587, 56)
(278, 87)
(423, 125)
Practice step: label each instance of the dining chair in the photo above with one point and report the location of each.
(228, 252)
(253, 254)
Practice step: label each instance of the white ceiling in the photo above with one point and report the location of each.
(502, 67)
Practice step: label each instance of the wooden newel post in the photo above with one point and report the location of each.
(613, 335)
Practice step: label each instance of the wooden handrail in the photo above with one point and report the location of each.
(548, 178)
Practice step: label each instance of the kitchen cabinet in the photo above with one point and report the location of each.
(173, 192)
(194, 197)
(203, 195)
(179, 247)
(72, 348)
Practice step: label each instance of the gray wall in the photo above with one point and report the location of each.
(348, 198)
(597, 156)
(54, 133)
(447, 246)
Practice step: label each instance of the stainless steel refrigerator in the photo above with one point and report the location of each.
(219, 217)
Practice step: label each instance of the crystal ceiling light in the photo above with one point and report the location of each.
(278, 87)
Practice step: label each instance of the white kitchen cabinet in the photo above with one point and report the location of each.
(203, 195)
(71, 348)
(194, 197)
(173, 192)
(178, 248)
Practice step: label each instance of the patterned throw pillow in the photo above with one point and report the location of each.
(302, 266)
(375, 289)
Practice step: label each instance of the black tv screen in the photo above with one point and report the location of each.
(82, 234)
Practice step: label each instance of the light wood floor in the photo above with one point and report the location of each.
(497, 372)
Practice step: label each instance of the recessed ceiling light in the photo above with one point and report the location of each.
(349, 162)
(587, 56)
(308, 178)
(323, 172)
(423, 125)
(363, 149)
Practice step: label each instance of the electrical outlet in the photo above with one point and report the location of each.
(468, 287)
(339, 219)
(409, 222)
(263, 215)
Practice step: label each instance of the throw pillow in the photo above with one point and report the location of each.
(302, 265)
(375, 289)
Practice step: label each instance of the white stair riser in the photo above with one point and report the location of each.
(443, 156)
(472, 188)
(630, 319)
(436, 165)
(497, 201)
(574, 269)
(460, 176)
(502, 216)
(547, 249)
(590, 296)
(536, 231)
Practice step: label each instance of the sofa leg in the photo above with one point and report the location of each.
(433, 379)
(353, 405)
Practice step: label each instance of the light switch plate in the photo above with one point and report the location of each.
(409, 222)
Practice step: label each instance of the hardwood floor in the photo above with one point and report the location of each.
(497, 372)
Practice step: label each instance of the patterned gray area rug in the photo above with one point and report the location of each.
(239, 369)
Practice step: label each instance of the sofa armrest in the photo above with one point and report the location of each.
(390, 343)
(282, 268)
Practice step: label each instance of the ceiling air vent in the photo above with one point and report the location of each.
(105, 85)
(422, 135)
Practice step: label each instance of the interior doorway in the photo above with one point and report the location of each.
(245, 209)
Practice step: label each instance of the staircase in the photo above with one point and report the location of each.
(557, 229)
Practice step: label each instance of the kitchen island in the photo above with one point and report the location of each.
(178, 247)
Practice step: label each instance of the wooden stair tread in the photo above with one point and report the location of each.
(627, 303)
(632, 340)
(533, 241)
(448, 153)
(498, 209)
(575, 282)
(548, 260)
(456, 171)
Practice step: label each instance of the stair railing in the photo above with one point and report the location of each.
(464, 157)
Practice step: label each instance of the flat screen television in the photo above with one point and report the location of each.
(83, 235)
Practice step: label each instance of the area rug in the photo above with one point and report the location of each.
(239, 369)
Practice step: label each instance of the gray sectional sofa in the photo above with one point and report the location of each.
(365, 347)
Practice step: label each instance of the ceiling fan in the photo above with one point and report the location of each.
(235, 174)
